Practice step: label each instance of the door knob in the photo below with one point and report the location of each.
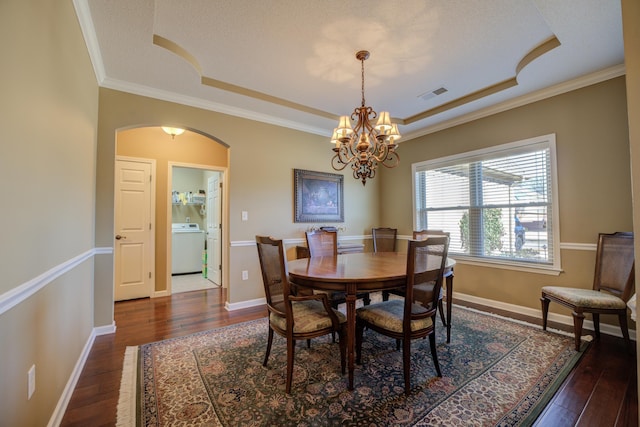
(118, 237)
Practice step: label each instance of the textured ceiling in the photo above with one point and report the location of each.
(292, 62)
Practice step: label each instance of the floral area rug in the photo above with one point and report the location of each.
(496, 372)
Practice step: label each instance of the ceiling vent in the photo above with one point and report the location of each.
(432, 94)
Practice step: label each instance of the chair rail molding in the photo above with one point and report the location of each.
(17, 295)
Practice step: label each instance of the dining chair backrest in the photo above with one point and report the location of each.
(322, 243)
(384, 239)
(614, 270)
(274, 271)
(426, 262)
(423, 234)
(316, 317)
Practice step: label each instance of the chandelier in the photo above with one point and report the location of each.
(365, 146)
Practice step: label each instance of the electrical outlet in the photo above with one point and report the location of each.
(245, 216)
(245, 275)
(188, 219)
(31, 375)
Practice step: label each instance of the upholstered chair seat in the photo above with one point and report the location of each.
(390, 314)
(587, 298)
(310, 316)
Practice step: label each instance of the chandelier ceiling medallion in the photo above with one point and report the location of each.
(365, 146)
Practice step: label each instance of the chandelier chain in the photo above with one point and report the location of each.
(362, 80)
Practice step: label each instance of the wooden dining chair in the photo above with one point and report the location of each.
(324, 242)
(426, 288)
(423, 234)
(613, 283)
(384, 239)
(295, 317)
(414, 316)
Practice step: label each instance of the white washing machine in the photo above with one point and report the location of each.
(187, 244)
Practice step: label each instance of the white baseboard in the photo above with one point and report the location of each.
(65, 397)
(512, 308)
(105, 330)
(537, 313)
(245, 304)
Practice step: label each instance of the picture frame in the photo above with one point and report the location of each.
(319, 196)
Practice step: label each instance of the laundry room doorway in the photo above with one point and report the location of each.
(196, 220)
(194, 152)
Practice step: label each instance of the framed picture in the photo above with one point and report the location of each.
(318, 196)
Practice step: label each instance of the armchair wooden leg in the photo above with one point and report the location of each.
(625, 329)
(269, 342)
(596, 324)
(434, 353)
(291, 347)
(545, 311)
(406, 364)
(578, 319)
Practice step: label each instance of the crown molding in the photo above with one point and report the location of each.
(149, 92)
(83, 13)
(568, 86)
(89, 33)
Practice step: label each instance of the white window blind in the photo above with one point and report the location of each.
(498, 204)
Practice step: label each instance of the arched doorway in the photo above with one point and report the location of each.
(191, 149)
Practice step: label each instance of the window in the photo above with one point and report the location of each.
(498, 204)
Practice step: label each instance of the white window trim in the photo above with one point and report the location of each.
(549, 141)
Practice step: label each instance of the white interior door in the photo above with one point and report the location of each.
(133, 249)
(214, 229)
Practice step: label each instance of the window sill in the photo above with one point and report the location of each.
(506, 265)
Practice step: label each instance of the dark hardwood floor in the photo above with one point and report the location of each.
(601, 391)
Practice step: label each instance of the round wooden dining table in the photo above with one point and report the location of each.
(359, 272)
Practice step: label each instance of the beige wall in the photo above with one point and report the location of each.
(55, 195)
(189, 148)
(260, 181)
(631, 31)
(48, 111)
(593, 182)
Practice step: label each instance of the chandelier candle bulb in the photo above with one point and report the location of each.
(364, 146)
